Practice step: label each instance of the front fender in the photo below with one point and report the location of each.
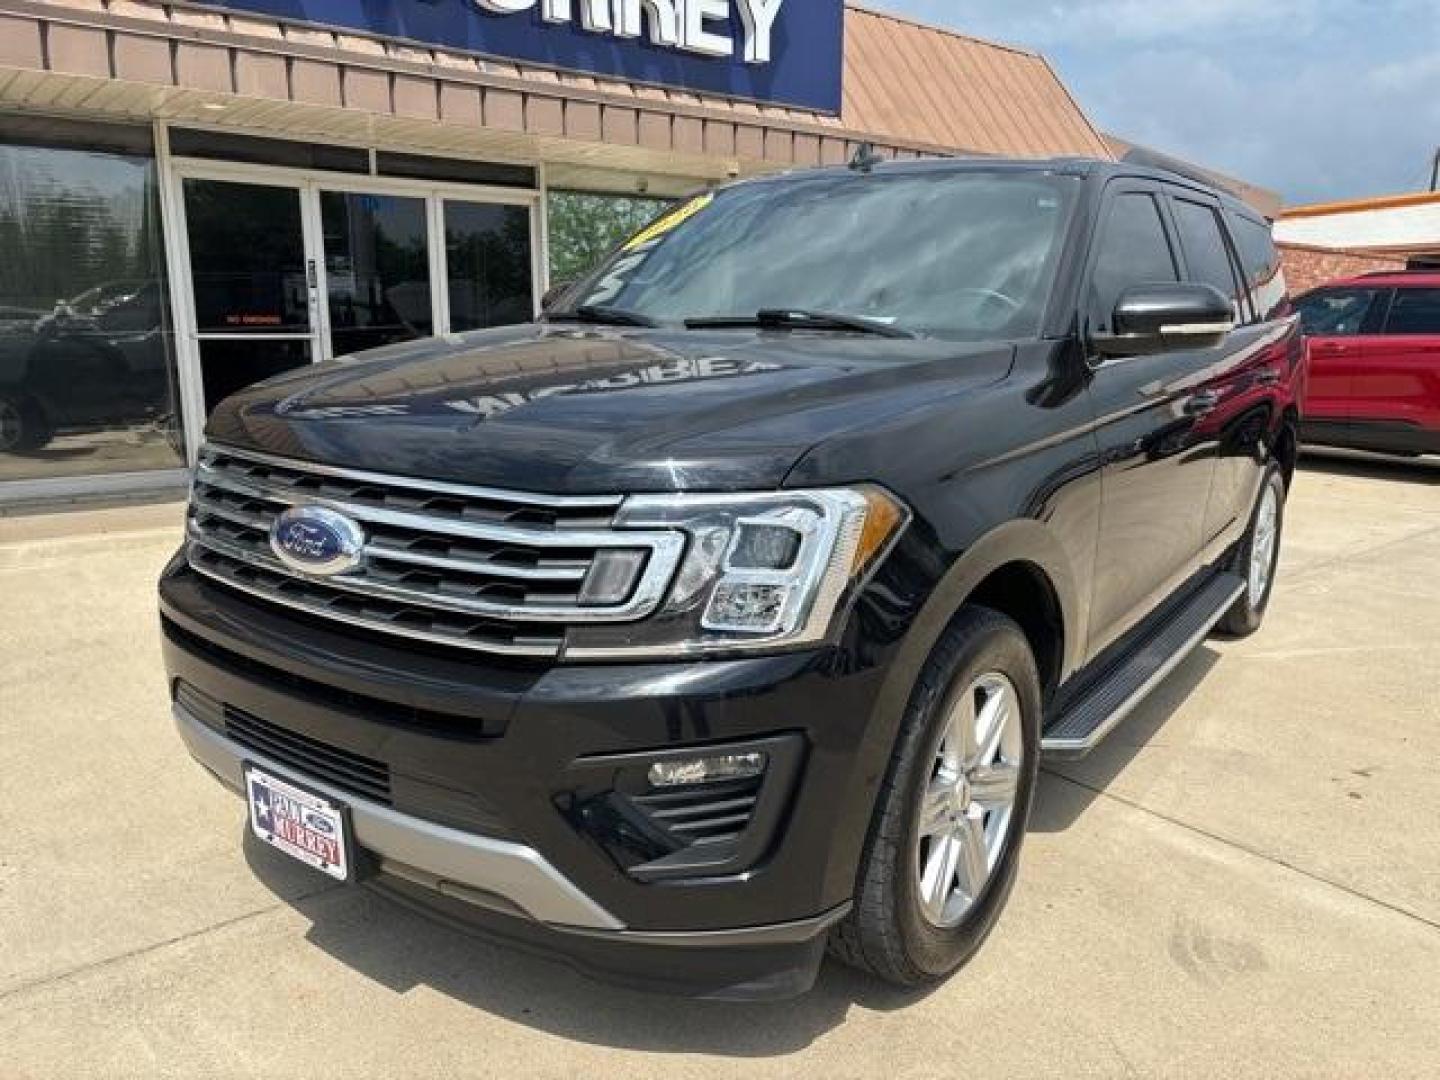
(1020, 541)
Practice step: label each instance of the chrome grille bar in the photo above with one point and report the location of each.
(205, 565)
(404, 519)
(422, 487)
(476, 567)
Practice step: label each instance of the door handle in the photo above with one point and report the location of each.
(1206, 401)
(1267, 377)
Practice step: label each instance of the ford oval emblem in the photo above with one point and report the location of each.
(317, 540)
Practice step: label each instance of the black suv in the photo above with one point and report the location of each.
(728, 610)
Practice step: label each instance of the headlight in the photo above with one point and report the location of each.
(759, 571)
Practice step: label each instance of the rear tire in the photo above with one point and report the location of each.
(22, 424)
(944, 844)
(1258, 558)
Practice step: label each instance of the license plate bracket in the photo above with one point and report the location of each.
(311, 828)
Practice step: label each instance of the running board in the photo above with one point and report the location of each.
(1101, 707)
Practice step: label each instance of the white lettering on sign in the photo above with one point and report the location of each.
(759, 19)
(697, 26)
(661, 14)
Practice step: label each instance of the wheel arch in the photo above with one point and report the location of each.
(1286, 448)
(1016, 565)
(1018, 562)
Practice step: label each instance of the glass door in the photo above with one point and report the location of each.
(489, 264)
(377, 269)
(253, 287)
(287, 268)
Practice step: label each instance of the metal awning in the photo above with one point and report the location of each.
(911, 90)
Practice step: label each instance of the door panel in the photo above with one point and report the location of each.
(1396, 378)
(1239, 380)
(1157, 477)
(1157, 471)
(1332, 375)
(1338, 324)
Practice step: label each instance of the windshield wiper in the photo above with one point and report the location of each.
(603, 316)
(800, 319)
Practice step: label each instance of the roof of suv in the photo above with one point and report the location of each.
(1078, 166)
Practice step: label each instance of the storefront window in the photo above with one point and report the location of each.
(87, 368)
(584, 228)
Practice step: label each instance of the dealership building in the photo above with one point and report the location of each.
(196, 196)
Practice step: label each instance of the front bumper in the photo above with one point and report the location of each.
(448, 860)
(483, 824)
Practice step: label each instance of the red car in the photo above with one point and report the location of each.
(1374, 349)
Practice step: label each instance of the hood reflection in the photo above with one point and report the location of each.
(678, 370)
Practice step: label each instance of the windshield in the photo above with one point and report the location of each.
(964, 255)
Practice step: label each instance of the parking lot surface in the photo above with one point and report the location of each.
(1243, 881)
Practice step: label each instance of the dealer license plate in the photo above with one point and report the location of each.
(300, 823)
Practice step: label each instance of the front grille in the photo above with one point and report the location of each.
(706, 813)
(343, 769)
(340, 768)
(491, 570)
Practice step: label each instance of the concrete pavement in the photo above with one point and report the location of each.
(1244, 881)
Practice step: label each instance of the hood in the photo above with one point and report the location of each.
(588, 410)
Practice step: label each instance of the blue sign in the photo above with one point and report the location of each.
(785, 52)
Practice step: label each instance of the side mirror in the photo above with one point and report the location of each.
(1152, 319)
(554, 293)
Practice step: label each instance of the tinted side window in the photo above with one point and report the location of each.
(1261, 261)
(1338, 312)
(1206, 253)
(1134, 250)
(1415, 311)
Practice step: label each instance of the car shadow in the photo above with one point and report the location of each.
(1067, 788)
(1366, 466)
(401, 950)
(396, 948)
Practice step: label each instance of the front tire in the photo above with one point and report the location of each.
(1258, 558)
(950, 820)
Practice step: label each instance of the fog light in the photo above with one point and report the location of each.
(684, 772)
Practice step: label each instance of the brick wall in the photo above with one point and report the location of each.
(1307, 267)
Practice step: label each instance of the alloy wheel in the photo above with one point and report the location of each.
(968, 804)
(1263, 545)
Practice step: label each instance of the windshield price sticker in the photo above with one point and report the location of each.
(669, 222)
